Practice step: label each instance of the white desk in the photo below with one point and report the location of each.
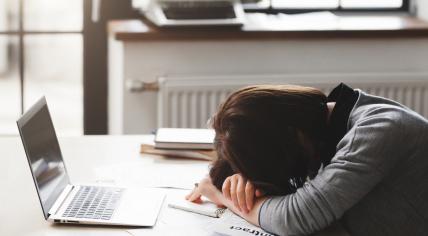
(19, 205)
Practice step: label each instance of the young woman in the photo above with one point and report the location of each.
(292, 161)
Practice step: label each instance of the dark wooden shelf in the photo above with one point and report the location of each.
(264, 27)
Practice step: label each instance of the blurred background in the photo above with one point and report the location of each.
(52, 40)
(59, 49)
(42, 54)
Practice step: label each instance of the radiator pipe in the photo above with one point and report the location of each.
(136, 86)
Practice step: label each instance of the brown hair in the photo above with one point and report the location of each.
(270, 134)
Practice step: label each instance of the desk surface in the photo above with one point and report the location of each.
(20, 210)
(272, 27)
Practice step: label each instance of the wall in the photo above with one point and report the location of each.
(423, 9)
(136, 113)
(3, 40)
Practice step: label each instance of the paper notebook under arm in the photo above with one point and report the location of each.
(206, 208)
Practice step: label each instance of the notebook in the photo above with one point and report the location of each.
(206, 208)
(180, 138)
(207, 155)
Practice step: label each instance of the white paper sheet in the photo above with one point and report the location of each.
(231, 224)
(168, 175)
(174, 222)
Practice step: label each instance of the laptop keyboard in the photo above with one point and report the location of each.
(93, 202)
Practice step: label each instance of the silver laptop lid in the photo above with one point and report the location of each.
(43, 154)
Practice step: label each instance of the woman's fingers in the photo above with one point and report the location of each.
(249, 195)
(206, 188)
(194, 196)
(190, 194)
(233, 185)
(225, 189)
(198, 200)
(240, 192)
(259, 193)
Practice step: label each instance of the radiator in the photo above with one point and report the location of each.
(190, 102)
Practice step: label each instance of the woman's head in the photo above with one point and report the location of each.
(271, 135)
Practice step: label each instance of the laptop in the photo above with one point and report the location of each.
(64, 202)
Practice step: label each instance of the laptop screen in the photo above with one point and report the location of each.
(43, 154)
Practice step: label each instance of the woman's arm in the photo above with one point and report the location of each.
(207, 189)
(252, 215)
(364, 158)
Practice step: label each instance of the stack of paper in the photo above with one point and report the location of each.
(172, 138)
(207, 155)
(182, 143)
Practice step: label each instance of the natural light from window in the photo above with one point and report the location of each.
(53, 62)
(331, 4)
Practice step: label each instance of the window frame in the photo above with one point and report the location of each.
(21, 34)
(252, 9)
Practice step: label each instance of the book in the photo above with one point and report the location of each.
(208, 155)
(206, 208)
(180, 138)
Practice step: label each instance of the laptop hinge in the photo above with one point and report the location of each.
(60, 200)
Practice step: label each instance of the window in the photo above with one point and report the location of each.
(371, 4)
(336, 5)
(48, 36)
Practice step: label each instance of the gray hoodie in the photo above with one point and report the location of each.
(376, 184)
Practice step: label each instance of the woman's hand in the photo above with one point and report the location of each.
(207, 189)
(241, 192)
